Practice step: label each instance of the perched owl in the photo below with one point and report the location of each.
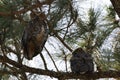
(81, 62)
(34, 37)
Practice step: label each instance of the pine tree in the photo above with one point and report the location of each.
(65, 25)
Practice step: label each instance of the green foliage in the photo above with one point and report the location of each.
(66, 14)
(110, 13)
(4, 76)
(5, 6)
(87, 29)
(10, 5)
(117, 52)
(9, 26)
(93, 19)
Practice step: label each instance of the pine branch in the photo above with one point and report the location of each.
(56, 34)
(47, 2)
(62, 75)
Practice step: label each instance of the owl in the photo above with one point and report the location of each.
(81, 62)
(34, 37)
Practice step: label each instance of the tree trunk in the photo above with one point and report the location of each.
(116, 5)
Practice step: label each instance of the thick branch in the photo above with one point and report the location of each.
(2, 72)
(63, 75)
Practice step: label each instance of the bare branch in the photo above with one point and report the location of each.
(51, 59)
(45, 65)
(65, 59)
(2, 72)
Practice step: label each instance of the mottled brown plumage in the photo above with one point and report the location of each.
(34, 37)
(81, 62)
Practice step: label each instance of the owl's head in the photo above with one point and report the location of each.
(78, 51)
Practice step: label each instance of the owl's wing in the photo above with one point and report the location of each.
(41, 39)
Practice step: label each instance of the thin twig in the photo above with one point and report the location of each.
(65, 58)
(63, 42)
(51, 58)
(45, 65)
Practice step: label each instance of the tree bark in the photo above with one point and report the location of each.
(116, 5)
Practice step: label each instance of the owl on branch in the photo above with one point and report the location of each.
(34, 36)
